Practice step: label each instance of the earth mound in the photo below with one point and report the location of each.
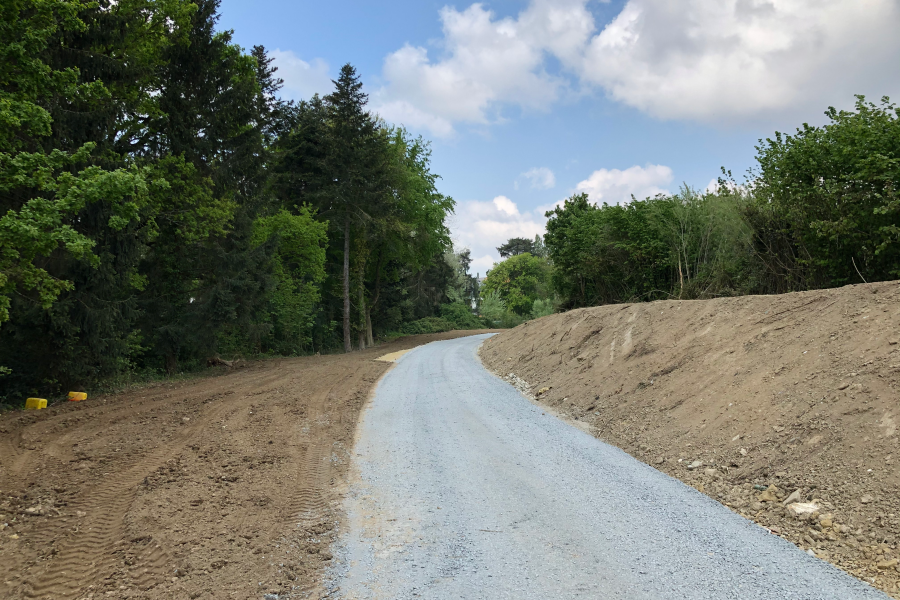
(784, 408)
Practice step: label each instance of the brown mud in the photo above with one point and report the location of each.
(220, 487)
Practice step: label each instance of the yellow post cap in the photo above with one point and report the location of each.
(35, 403)
(77, 396)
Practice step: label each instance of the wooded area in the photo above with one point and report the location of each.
(819, 210)
(163, 207)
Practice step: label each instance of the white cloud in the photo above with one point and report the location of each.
(302, 79)
(487, 62)
(706, 60)
(717, 60)
(482, 226)
(616, 187)
(540, 178)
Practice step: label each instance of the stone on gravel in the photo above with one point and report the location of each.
(867, 499)
(795, 496)
(803, 508)
(695, 465)
(769, 495)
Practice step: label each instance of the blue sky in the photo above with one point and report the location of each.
(527, 102)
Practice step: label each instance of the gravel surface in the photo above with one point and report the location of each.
(464, 489)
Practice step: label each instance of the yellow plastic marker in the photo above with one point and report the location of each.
(35, 404)
(77, 396)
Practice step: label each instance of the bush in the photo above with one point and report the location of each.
(427, 325)
(492, 307)
(542, 308)
(461, 316)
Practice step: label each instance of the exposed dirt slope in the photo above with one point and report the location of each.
(800, 392)
(223, 487)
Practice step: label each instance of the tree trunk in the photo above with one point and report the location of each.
(362, 311)
(370, 339)
(347, 346)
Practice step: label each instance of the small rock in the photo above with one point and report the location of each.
(270, 597)
(756, 506)
(743, 452)
(778, 428)
(795, 496)
(887, 564)
(803, 508)
(843, 386)
(867, 499)
(14, 536)
(826, 521)
(543, 390)
(659, 460)
(80, 513)
(811, 552)
(711, 472)
(185, 419)
(695, 465)
(769, 495)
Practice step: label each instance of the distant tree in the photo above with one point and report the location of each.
(515, 246)
(538, 248)
(519, 281)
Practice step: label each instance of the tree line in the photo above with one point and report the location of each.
(820, 209)
(161, 205)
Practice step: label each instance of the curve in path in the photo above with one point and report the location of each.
(464, 489)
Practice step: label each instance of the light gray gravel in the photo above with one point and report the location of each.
(464, 489)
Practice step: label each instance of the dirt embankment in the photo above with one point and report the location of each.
(223, 487)
(747, 399)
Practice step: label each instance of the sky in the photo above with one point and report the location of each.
(528, 102)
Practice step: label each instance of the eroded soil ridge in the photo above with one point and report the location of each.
(784, 408)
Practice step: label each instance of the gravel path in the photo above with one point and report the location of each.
(465, 490)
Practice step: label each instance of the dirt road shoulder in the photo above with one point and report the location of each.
(221, 487)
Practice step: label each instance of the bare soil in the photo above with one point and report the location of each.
(747, 399)
(221, 487)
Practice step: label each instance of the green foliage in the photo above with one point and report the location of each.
(821, 209)
(461, 316)
(493, 306)
(516, 246)
(160, 204)
(709, 241)
(427, 325)
(542, 308)
(606, 254)
(519, 280)
(453, 317)
(826, 199)
(298, 267)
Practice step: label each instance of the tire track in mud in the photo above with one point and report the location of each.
(203, 482)
(86, 553)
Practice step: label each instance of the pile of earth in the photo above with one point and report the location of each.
(784, 408)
